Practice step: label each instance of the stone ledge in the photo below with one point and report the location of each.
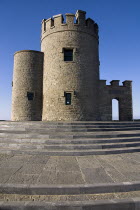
(68, 189)
(34, 51)
(117, 204)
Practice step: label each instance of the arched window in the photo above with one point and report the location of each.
(115, 109)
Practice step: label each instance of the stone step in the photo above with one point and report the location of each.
(70, 138)
(117, 204)
(72, 141)
(71, 135)
(67, 146)
(27, 127)
(65, 152)
(69, 189)
(55, 124)
(67, 129)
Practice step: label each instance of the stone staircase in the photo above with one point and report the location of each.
(69, 139)
(88, 197)
(57, 149)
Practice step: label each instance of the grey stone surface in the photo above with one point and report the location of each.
(66, 164)
(23, 178)
(96, 175)
(128, 204)
(61, 170)
(93, 171)
(58, 177)
(69, 189)
(29, 168)
(134, 157)
(70, 170)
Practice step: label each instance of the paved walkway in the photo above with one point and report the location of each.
(40, 169)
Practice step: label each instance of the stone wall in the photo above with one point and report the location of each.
(122, 93)
(27, 86)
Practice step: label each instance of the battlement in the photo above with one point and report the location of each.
(115, 83)
(81, 17)
(57, 24)
(127, 83)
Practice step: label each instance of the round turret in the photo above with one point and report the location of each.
(71, 68)
(27, 85)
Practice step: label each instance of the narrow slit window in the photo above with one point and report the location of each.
(68, 98)
(44, 26)
(68, 54)
(30, 96)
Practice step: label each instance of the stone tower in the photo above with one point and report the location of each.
(62, 82)
(27, 85)
(71, 68)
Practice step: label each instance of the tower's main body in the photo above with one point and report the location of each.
(71, 68)
(27, 85)
(62, 82)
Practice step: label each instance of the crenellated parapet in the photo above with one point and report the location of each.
(115, 90)
(115, 84)
(57, 24)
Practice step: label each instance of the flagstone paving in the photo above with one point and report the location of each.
(42, 169)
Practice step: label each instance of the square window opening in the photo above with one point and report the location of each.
(68, 54)
(30, 96)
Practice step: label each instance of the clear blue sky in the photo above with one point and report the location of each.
(119, 31)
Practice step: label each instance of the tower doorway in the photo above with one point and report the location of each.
(115, 109)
